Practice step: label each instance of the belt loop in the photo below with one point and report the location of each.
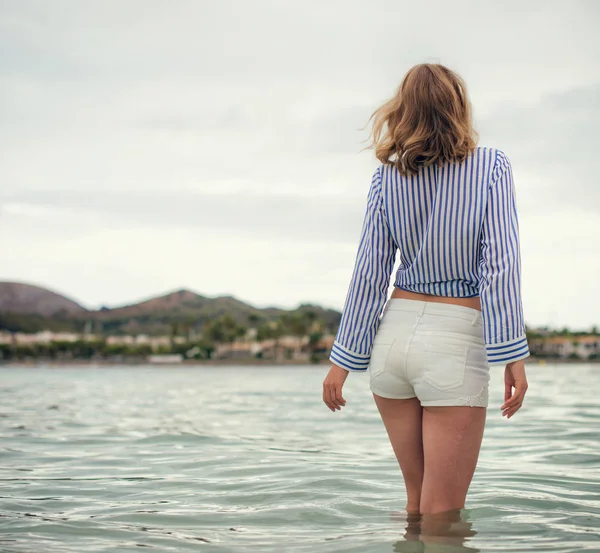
(476, 316)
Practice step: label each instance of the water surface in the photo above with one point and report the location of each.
(236, 459)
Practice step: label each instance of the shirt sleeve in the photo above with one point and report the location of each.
(368, 287)
(500, 271)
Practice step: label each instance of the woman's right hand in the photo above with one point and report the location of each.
(514, 377)
(332, 388)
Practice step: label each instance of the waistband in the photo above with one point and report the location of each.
(434, 308)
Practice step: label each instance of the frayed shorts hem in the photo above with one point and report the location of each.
(458, 402)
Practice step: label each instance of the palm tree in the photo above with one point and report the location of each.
(254, 319)
(223, 330)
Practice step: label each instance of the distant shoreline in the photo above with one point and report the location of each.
(185, 363)
(228, 362)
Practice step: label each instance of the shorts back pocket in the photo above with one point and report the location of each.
(445, 365)
(379, 354)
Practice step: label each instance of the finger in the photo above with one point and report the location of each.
(512, 413)
(333, 397)
(516, 402)
(329, 398)
(512, 410)
(517, 397)
(339, 398)
(326, 396)
(507, 391)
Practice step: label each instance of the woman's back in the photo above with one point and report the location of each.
(456, 230)
(435, 218)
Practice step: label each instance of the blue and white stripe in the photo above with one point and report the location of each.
(456, 230)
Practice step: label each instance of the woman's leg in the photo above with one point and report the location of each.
(403, 421)
(451, 442)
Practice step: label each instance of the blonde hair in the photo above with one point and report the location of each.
(428, 121)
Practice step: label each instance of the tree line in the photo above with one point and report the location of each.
(221, 330)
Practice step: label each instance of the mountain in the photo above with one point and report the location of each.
(183, 307)
(181, 302)
(182, 310)
(16, 297)
(187, 309)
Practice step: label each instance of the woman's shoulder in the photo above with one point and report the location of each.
(495, 155)
(498, 163)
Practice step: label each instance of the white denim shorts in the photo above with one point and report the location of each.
(432, 351)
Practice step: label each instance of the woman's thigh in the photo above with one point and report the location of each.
(451, 442)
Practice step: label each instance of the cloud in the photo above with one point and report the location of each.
(553, 141)
(274, 216)
(149, 145)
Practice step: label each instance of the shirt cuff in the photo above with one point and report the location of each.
(507, 352)
(347, 359)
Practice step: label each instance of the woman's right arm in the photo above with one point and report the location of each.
(514, 377)
(500, 271)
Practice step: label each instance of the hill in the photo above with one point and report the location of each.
(158, 315)
(187, 309)
(16, 297)
(182, 309)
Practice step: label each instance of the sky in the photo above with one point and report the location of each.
(219, 145)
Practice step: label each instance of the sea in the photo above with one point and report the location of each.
(248, 459)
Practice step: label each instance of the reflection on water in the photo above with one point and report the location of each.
(441, 532)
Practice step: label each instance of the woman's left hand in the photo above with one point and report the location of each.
(332, 388)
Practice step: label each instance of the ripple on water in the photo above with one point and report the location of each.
(248, 459)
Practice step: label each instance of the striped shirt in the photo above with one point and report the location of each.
(456, 231)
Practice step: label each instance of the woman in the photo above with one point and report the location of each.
(448, 208)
